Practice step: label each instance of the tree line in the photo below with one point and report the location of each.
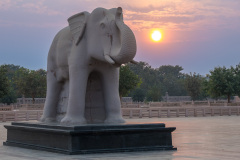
(141, 82)
(220, 83)
(16, 82)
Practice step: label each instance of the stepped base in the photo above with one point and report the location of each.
(90, 138)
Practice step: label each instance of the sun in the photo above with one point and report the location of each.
(156, 36)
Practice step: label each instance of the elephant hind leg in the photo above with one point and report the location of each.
(53, 91)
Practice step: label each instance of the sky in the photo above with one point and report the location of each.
(196, 34)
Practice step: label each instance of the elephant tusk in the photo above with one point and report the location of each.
(109, 59)
(134, 62)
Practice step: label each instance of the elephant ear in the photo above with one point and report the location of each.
(77, 24)
(114, 11)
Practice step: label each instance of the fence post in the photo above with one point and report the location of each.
(150, 113)
(177, 112)
(27, 116)
(159, 113)
(195, 112)
(186, 112)
(168, 112)
(229, 112)
(4, 117)
(38, 115)
(131, 113)
(15, 116)
(140, 113)
(212, 112)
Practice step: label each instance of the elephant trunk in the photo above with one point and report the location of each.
(127, 48)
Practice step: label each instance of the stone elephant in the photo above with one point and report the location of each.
(92, 47)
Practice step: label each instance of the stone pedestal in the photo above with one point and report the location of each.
(94, 138)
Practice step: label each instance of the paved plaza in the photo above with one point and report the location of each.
(195, 138)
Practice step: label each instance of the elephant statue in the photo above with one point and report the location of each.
(83, 68)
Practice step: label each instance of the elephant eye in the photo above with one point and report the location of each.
(102, 25)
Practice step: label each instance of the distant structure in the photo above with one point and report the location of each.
(126, 99)
(168, 98)
(236, 99)
(24, 100)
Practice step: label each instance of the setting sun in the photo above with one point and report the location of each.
(156, 36)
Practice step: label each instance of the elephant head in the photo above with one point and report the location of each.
(108, 38)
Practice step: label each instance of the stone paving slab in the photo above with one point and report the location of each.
(206, 138)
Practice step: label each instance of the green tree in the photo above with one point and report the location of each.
(237, 79)
(128, 81)
(11, 69)
(146, 73)
(194, 85)
(222, 82)
(154, 94)
(11, 96)
(170, 70)
(31, 83)
(172, 80)
(205, 89)
(138, 95)
(4, 82)
(168, 78)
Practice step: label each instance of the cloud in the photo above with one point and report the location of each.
(29, 6)
(39, 8)
(180, 14)
(5, 4)
(139, 14)
(154, 19)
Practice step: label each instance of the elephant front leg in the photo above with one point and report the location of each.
(111, 96)
(76, 103)
(53, 91)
